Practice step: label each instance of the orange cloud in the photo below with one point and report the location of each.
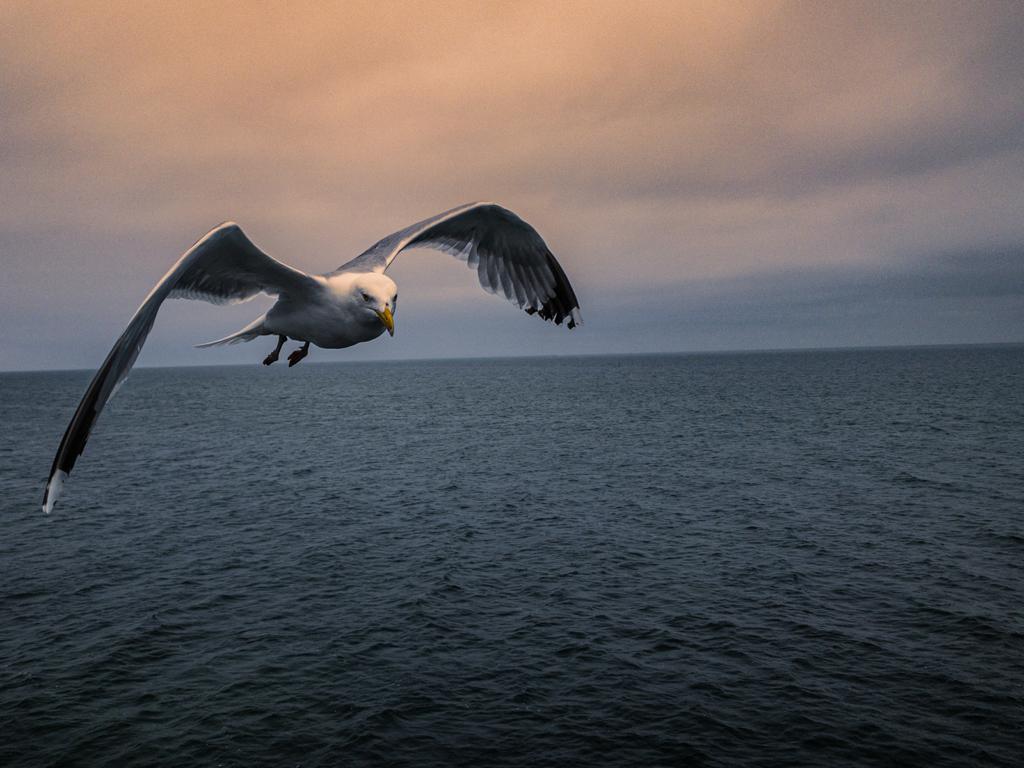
(654, 141)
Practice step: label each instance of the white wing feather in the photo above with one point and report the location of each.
(223, 266)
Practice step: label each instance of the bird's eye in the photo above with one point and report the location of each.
(366, 297)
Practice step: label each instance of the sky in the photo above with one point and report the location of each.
(712, 176)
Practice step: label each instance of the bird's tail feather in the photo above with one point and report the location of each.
(250, 332)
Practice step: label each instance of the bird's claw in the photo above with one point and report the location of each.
(295, 356)
(270, 359)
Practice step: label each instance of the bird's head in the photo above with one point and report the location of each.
(377, 293)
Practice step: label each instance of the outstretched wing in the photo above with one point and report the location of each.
(222, 267)
(506, 252)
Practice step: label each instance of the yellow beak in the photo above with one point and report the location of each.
(388, 319)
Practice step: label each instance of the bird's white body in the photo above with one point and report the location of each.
(335, 316)
(352, 304)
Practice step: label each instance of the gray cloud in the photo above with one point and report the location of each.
(690, 154)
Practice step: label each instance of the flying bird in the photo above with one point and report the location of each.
(354, 303)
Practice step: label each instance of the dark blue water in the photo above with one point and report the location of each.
(764, 559)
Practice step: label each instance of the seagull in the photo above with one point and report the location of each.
(354, 303)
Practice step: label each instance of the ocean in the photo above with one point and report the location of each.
(793, 558)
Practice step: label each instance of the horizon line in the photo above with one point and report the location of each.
(673, 353)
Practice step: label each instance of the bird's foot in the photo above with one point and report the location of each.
(273, 356)
(298, 354)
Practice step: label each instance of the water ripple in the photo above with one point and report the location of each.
(786, 559)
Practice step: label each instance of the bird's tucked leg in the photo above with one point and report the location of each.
(298, 354)
(273, 356)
